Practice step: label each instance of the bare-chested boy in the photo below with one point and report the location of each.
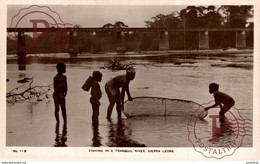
(60, 91)
(224, 101)
(113, 91)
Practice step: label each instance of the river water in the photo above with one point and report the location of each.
(170, 76)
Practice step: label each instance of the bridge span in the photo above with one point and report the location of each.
(163, 33)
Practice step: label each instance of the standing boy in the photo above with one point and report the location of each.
(95, 96)
(60, 92)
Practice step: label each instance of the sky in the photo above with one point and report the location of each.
(86, 15)
(90, 15)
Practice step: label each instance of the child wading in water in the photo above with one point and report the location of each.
(220, 98)
(95, 95)
(60, 92)
(113, 91)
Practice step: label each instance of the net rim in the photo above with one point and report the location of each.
(164, 98)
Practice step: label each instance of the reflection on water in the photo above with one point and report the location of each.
(224, 133)
(22, 74)
(120, 135)
(214, 133)
(61, 139)
(159, 131)
(96, 138)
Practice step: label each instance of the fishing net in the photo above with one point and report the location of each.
(156, 106)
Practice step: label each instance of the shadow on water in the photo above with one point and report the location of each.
(96, 138)
(120, 135)
(60, 139)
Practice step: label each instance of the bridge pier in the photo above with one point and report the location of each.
(164, 41)
(240, 39)
(120, 42)
(73, 49)
(203, 40)
(21, 51)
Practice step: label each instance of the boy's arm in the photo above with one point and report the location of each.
(212, 106)
(54, 84)
(215, 105)
(128, 93)
(123, 94)
(125, 88)
(95, 90)
(216, 97)
(66, 86)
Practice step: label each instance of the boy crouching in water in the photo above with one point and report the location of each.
(95, 96)
(220, 98)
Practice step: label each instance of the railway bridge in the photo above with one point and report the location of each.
(203, 34)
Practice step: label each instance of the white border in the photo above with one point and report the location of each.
(82, 154)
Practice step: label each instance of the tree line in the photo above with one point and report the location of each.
(190, 17)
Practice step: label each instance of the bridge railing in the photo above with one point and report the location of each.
(98, 29)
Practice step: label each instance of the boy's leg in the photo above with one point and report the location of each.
(95, 108)
(118, 109)
(63, 109)
(112, 102)
(118, 104)
(224, 109)
(227, 106)
(110, 108)
(56, 112)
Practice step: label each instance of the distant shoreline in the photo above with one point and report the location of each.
(142, 53)
(199, 52)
